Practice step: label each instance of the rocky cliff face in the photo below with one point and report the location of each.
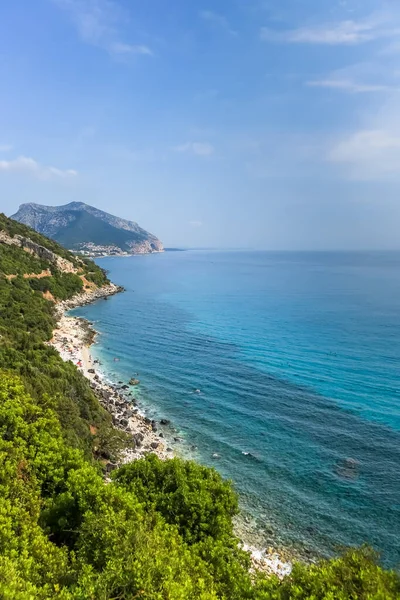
(62, 264)
(88, 230)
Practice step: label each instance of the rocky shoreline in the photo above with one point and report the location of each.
(72, 339)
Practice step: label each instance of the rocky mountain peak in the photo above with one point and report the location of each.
(87, 229)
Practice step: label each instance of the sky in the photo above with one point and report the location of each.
(266, 124)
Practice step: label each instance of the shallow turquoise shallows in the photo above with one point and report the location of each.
(279, 369)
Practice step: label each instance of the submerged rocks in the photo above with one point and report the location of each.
(134, 381)
(347, 468)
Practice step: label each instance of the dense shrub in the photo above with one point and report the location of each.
(15, 260)
(60, 285)
(354, 576)
(186, 494)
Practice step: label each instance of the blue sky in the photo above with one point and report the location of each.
(240, 123)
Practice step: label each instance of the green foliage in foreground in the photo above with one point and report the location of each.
(186, 494)
(66, 534)
(354, 576)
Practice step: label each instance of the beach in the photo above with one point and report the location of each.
(73, 338)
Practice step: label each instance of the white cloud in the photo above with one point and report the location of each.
(347, 85)
(119, 48)
(197, 148)
(196, 223)
(217, 20)
(370, 76)
(5, 147)
(29, 166)
(369, 154)
(343, 33)
(98, 24)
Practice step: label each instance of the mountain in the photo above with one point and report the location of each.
(86, 229)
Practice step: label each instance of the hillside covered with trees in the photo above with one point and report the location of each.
(156, 530)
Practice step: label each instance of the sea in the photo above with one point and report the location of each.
(281, 371)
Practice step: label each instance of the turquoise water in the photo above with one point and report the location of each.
(296, 357)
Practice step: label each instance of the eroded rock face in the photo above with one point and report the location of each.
(64, 265)
(146, 247)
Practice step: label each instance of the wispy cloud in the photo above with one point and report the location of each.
(218, 20)
(98, 23)
(29, 166)
(345, 33)
(368, 154)
(5, 147)
(196, 223)
(121, 49)
(196, 148)
(347, 85)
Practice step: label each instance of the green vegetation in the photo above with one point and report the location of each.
(157, 530)
(14, 228)
(354, 576)
(15, 260)
(27, 322)
(192, 497)
(61, 285)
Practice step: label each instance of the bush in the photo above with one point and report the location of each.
(61, 285)
(354, 576)
(186, 494)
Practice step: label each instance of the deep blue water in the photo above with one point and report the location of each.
(297, 360)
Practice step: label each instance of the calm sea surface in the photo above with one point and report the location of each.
(285, 365)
